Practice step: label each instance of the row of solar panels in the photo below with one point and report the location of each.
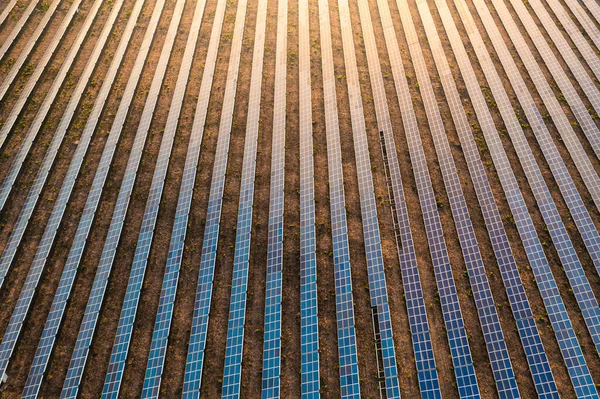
(484, 301)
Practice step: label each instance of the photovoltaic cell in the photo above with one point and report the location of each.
(271, 368)
(309, 311)
(41, 64)
(174, 258)
(415, 302)
(344, 300)
(579, 283)
(195, 356)
(63, 292)
(375, 268)
(234, 349)
(96, 297)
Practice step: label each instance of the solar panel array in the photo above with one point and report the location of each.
(41, 76)
(234, 350)
(373, 251)
(415, 302)
(309, 304)
(120, 349)
(579, 283)
(271, 368)
(344, 298)
(14, 33)
(163, 322)
(63, 292)
(96, 297)
(25, 52)
(45, 246)
(197, 344)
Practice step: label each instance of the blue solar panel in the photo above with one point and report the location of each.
(373, 251)
(344, 299)
(92, 311)
(563, 329)
(457, 336)
(69, 273)
(271, 368)
(14, 33)
(309, 312)
(415, 302)
(41, 64)
(232, 371)
(164, 314)
(28, 290)
(116, 365)
(197, 344)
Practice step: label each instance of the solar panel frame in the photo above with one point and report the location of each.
(197, 343)
(69, 273)
(309, 305)
(271, 364)
(373, 250)
(232, 370)
(344, 299)
(96, 297)
(32, 80)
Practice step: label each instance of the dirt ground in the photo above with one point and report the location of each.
(172, 378)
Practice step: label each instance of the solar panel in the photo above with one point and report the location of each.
(32, 79)
(92, 311)
(593, 8)
(176, 248)
(14, 33)
(16, 236)
(581, 16)
(579, 283)
(44, 110)
(271, 368)
(554, 305)
(560, 77)
(309, 311)
(373, 251)
(54, 319)
(232, 371)
(8, 8)
(120, 349)
(415, 303)
(344, 299)
(195, 355)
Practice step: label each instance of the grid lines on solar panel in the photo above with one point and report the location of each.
(195, 356)
(572, 61)
(45, 246)
(271, 362)
(344, 299)
(550, 294)
(176, 247)
(415, 302)
(8, 8)
(96, 296)
(232, 371)
(309, 312)
(579, 283)
(116, 366)
(44, 110)
(581, 16)
(578, 155)
(370, 222)
(593, 8)
(59, 303)
(15, 68)
(457, 336)
(530, 336)
(14, 33)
